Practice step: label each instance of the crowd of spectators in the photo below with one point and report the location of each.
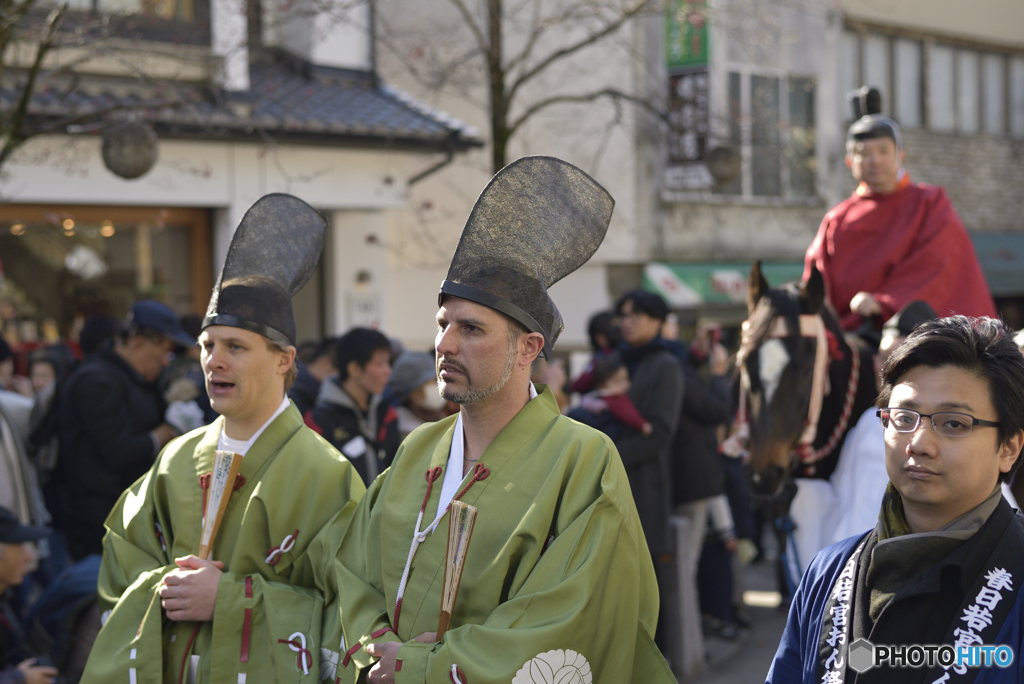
(81, 421)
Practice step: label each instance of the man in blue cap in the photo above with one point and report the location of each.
(18, 663)
(111, 424)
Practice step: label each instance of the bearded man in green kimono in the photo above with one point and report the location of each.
(264, 610)
(558, 584)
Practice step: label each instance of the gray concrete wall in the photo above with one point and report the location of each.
(983, 175)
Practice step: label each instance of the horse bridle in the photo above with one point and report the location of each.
(810, 326)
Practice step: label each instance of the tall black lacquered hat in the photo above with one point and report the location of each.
(273, 254)
(537, 221)
(869, 122)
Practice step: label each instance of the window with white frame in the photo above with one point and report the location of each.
(940, 86)
(771, 123)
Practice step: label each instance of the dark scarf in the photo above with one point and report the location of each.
(632, 356)
(900, 556)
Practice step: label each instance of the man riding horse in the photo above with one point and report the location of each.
(892, 241)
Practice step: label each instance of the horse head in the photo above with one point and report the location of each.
(780, 360)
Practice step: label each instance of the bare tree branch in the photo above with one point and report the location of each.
(15, 124)
(478, 33)
(610, 28)
(612, 93)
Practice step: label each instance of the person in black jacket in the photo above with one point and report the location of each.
(657, 392)
(111, 424)
(697, 472)
(351, 411)
(317, 367)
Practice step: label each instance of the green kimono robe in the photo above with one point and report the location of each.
(558, 583)
(295, 485)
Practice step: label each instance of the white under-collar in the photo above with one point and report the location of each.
(239, 446)
(453, 478)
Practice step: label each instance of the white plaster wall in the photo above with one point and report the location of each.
(350, 252)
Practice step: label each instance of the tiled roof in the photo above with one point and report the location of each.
(287, 100)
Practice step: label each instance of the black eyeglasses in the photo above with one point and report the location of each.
(948, 424)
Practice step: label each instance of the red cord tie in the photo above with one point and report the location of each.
(432, 475)
(480, 472)
(160, 537)
(274, 554)
(204, 484)
(188, 649)
(297, 643)
(349, 653)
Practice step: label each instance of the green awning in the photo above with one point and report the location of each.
(685, 285)
(1002, 260)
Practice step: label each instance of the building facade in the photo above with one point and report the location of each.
(242, 107)
(777, 75)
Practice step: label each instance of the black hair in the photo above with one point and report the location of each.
(982, 346)
(57, 355)
(606, 367)
(95, 331)
(312, 350)
(603, 323)
(324, 348)
(649, 303)
(304, 350)
(359, 345)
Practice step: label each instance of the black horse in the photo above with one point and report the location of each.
(781, 342)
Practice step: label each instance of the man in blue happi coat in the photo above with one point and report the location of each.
(945, 563)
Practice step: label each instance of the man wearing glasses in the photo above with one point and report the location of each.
(945, 562)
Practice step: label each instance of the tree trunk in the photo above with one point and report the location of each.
(496, 74)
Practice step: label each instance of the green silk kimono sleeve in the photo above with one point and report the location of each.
(362, 602)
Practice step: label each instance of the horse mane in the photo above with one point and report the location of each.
(777, 301)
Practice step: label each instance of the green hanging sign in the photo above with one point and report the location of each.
(686, 39)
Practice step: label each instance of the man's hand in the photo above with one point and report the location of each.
(384, 671)
(36, 674)
(864, 304)
(190, 592)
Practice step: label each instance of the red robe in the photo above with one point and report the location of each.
(899, 247)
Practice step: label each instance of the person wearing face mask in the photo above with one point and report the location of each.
(413, 389)
(351, 412)
(893, 241)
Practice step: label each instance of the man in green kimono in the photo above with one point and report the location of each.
(263, 609)
(558, 583)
